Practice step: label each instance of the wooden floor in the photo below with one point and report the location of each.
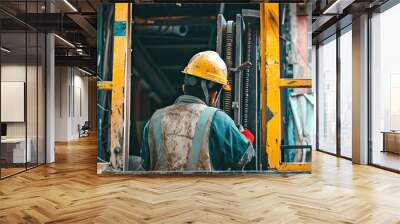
(69, 191)
(5, 172)
(9, 171)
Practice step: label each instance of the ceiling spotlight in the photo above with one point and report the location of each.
(70, 5)
(337, 7)
(84, 71)
(65, 41)
(5, 50)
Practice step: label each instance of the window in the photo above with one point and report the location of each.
(346, 94)
(385, 89)
(22, 101)
(327, 96)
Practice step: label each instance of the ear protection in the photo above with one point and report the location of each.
(204, 84)
(193, 81)
(190, 80)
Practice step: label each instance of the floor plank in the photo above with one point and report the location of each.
(69, 191)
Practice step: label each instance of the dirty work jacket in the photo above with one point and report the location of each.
(228, 149)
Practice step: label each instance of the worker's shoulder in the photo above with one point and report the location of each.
(160, 111)
(153, 117)
(221, 119)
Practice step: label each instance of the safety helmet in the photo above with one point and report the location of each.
(209, 65)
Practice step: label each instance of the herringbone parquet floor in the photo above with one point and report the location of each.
(69, 191)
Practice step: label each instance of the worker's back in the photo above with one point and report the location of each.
(178, 137)
(191, 136)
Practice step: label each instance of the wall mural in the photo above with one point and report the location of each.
(204, 88)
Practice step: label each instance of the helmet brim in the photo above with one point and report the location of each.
(226, 87)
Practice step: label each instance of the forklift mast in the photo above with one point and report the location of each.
(238, 45)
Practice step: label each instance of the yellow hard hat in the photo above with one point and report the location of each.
(209, 65)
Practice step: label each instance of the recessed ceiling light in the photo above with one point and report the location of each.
(5, 50)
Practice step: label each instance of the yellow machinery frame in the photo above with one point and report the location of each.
(271, 85)
(120, 87)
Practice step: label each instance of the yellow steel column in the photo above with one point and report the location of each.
(272, 60)
(119, 72)
(271, 85)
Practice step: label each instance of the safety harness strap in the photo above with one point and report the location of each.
(198, 137)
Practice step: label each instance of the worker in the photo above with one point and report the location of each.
(191, 134)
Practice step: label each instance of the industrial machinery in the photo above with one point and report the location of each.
(238, 44)
(250, 42)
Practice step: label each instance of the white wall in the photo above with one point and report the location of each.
(61, 103)
(81, 113)
(71, 102)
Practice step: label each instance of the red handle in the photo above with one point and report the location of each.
(246, 133)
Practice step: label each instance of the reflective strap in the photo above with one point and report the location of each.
(198, 137)
(247, 156)
(158, 141)
(205, 91)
